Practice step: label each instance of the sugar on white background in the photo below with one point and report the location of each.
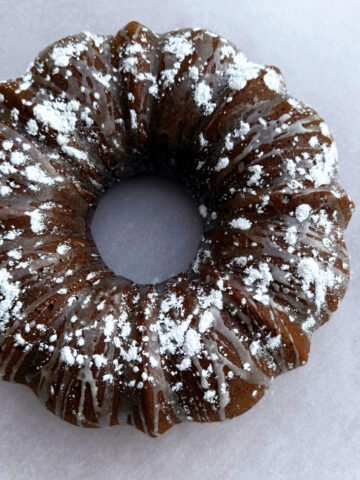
(308, 425)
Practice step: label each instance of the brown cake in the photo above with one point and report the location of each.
(99, 349)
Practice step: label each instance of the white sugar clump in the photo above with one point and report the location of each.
(203, 141)
(9, 292)
(260, 278)
(229, 143)
(12, 234)
(302, 212)
(109, 326)
(133, 119)
(129, 65)
(214, 298)
(32, 127)
(194, 72)
(36, 221)
(35, 174)
(206, 321)
(255, 348)
(7, 145)
(240, 132)
(241, 222)
(243, 129)
(72, 151)
(15, 254)
(241, 261)
(171, 301)
(15, 114)
(203, 211)
(179, 46)
(168, 76)
(192, 345)
(291, 235)
(153, 362)
(85, 115)
(202, 96)
(314, 141)
(185, 364)
(311, 274)
(308, 325)
(25, 83)
(274, 342)
(322, 220)
(227, 51)
(6, 168)
(4, 190)
(100, 306)
(131, 354)
(154, 90)
(240, 71)
(222, 163)
(62, 248)
(58, 115)
(17, 158)
(125, 327)
(324, 129)
(108, 377)
(274, 81)
(290, 166)
(62, 55)
(210, 396)
(67, 355)
(99, 360)
(171, 334)
(174, 331)
(255, 178)
(134, 48)
(299, 106)
(102, 79)
(19, 340)
(322, 172)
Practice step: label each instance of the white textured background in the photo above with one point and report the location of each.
(308, 425)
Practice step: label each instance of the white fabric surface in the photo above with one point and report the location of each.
(308, 425)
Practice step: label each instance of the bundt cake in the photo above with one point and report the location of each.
(204, 345)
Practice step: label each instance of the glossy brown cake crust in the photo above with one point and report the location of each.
(272, 265)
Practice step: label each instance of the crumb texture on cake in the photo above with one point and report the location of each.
(272, 265)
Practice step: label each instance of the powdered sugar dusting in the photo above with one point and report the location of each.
(268, 269)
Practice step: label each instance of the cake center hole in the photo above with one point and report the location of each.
(147, 228)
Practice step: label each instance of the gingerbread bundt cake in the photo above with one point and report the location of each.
(204, 345)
